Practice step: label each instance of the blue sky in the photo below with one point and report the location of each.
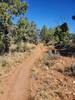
(51, 12)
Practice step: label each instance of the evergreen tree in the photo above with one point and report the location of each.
(8, 8)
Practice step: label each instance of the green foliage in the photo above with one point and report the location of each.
(26, 31)
(73, 38)
(8, 8)
(14, 6)
(46, 34)
(61, 33)
(23, 22)
(64, 27)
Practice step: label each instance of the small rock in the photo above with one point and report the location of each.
(74, 94)
(73, 82)
(46, 68)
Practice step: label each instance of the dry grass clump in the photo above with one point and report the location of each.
(13, 59)
(48, 60)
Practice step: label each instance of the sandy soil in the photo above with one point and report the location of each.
(17, 85)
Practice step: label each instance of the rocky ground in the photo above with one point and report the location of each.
(50, 80)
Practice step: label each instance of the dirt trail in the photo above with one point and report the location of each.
(17, 86)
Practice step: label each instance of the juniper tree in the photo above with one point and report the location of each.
(8, 8)
(62, 33)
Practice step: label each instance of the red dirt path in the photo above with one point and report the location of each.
(17, 86)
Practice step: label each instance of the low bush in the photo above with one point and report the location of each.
(48, 60)
(70, 71)
(4, 63)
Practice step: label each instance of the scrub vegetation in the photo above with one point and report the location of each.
(53, 75)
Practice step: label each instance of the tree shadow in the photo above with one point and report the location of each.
(66, 50)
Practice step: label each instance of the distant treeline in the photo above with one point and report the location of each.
(25, 31)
